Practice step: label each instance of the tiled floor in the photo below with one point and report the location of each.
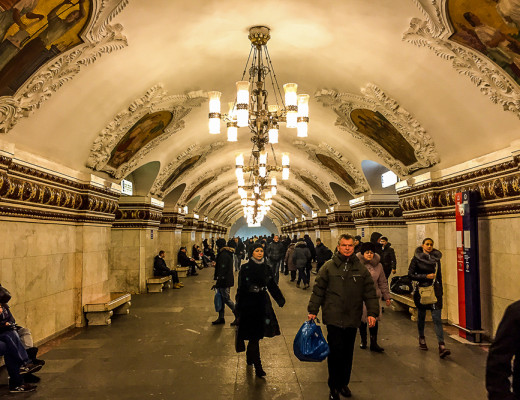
(166, 348)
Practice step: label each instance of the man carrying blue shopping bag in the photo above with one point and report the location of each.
(340, 288)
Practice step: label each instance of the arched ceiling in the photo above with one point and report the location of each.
(350, 56)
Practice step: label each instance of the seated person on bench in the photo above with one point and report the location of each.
(20, 365)
(160, 269)
(185, 261)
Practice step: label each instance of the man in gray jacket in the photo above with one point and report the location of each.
(341, 287)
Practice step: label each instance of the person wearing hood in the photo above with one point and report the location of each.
(425, 268)
(357, 244)
(301, 259)
(372, 262)
(388, 260)
(255, 314)
(323, 253)
(224, 277)
(375, 239)
(289, 260)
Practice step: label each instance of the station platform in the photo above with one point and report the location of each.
(166, 348)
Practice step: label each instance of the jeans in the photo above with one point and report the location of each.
(15, 356)
(226, 300)
(275, 267)
(237, 260)
(437, 323)
(341, 345)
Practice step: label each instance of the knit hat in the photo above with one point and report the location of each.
(367, 246)
(357, 238)
(257, 245)
(220, 243)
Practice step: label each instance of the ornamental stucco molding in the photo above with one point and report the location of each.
(311, 150)
(99, 37)
(191, 151)
(183, 200)
(210, 192)
(154, 100)
(325, 188)
(434, 31)
(307, 198)
(375, 99)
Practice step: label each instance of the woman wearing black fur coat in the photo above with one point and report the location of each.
(425, 268)
(255, 314)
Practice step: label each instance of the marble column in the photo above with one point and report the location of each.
(135, 243)
(170, 231)
(322, 229)
(340, 222)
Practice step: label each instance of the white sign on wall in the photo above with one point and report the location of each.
(192, 235)
(127, 187)
(388, 179)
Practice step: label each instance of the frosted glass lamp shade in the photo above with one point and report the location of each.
(273, 135)
(263, 157)
(232, 132)
(239, 160)
(291, 94)
(285, 173)
(285, 160)
(214, 112)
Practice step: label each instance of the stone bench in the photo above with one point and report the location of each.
(404, 302)
(156, 284)
(100, 311)
(182, 272)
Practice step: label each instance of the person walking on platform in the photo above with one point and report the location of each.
(160, 269)
(371, 261)
(375, 239)
(425, 268)
(274, 256)
(302, 258)
(341, 287)
(323, 253)
(255, 314)
(505, 347)
(224, 277)
(357, 244)
(388, 260)
(240, 252)
(289, 262)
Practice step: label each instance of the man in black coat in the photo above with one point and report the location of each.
(160, 269)
(375, 239)
(388, 260)
(185, 261)
(323, 253)
(224, 277)
(504, 348)
(275, 254)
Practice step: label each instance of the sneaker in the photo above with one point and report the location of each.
(176, 286)
(29, 368)
(180, 284)
(23, 388)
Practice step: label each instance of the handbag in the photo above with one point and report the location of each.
(427, 293)
(218, 300)
(309, 343)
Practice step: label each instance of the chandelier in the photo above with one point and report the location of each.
(252, 109)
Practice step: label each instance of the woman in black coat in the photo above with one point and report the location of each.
(425, 268)
(256, 317)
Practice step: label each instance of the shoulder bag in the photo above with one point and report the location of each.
(427, 293)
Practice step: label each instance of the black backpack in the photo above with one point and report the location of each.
(401, 285)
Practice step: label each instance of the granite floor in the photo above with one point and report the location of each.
(166, 348)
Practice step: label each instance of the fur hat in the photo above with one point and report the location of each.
(220, 243)
(367, 246)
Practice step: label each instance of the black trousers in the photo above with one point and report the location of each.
(253, 352)
(172, 273)
(341, 344)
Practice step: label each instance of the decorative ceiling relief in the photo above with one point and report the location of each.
(140, 128)
(54, 41)
(200, 182)
(300, 194)
(189, 159)
(402, 143)
(311, 180)
(207, 194)
(480, 38)
(334, 164)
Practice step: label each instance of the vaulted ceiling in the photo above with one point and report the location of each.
(387, 85)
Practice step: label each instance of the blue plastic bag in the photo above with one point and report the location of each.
(309, 343)
(218, 300)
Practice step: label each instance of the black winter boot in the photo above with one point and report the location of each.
(259, 371)
(363, 335)
(443, 351)
(374, 346)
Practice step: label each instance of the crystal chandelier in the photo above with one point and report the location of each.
(252, 109)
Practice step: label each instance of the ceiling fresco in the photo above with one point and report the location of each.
(48, 28)
(491, 27)
(377, 128)
(316, 187)
(199, 186)
(335, 167)
(143, 132)
(185, 166)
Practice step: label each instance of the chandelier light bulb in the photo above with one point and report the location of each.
(242, 103)
(273, 181)
(239, 172)
(232, 132)
(239, 160)
(285, 173)
(262, 159)
(262, 171)
(214, 112)
(285, 160)
(303, 115)
(273, 190)
(257, 190)
(273, 134)
(291, 104)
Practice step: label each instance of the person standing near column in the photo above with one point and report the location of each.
(274, 254)
(341, 287)
(425, 268)
(505, 347)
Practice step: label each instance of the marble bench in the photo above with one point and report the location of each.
(100, 311)
(404, 302)
(156, 284)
